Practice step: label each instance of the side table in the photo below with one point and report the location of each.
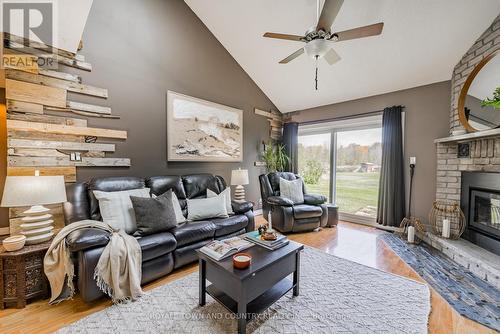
(21, 275)
(333, 215)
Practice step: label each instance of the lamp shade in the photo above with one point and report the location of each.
(239, 177)
(33, 190)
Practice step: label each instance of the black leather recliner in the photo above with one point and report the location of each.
(287, 216)
(161, 252)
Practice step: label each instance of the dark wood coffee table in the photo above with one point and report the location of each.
(248, 292)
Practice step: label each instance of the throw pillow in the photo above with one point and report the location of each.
(205, 208)
(154, 215)
(116, 208)
(292, 190)
(179, 216)
(227, 195)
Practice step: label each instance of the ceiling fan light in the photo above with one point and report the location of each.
(317, 48)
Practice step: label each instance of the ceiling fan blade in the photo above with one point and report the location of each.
(292, 56)
(284, 36)
(366, 31)
(328, 14)
(331, 57)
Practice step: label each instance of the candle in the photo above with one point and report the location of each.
(411, 234)
(446, 228)
(269, 220)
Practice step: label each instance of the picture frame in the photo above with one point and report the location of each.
(203, 131)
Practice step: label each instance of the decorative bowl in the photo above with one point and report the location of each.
(14, 243)
(269, 236)
(242, 260)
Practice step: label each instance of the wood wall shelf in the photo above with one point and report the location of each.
(469, 136)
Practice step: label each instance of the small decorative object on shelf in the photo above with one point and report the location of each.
(269, 236)
(447, 220)
(262, 229)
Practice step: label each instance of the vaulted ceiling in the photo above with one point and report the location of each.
(420, 44)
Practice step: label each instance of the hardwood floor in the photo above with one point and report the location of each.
(350, 241)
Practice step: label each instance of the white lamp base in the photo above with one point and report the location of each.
(37, 225)
(239, 194)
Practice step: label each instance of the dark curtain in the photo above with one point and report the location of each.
(290, 140)
(391, 198)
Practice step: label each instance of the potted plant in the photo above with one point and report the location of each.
(275, 157)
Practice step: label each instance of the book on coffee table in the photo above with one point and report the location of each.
(255, 237)
(221, 249)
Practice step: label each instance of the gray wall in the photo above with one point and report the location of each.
(141, 49)
(427, 112)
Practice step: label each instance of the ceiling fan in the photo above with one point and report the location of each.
(319, 38)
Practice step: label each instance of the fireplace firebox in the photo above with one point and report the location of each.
(480, 202)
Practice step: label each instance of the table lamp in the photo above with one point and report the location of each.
(34, 191)
(239, 178)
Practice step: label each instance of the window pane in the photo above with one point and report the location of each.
(314, 163)
(359, 155)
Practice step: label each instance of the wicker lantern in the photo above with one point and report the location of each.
(450, 211)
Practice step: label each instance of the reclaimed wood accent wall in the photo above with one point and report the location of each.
(46, 128)
(275, 119)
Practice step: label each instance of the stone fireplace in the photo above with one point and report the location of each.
(471, 176)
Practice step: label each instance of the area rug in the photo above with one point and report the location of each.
(336, 296)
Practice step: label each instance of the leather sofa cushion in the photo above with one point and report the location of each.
(241, 207)
(155, 245)
(302, 211)
(191, 232)
(230, 225)
(197, 185)
(314, 199)
(160, 184)
(77, 207)
(86, 238)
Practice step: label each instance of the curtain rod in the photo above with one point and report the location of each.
(340, 118)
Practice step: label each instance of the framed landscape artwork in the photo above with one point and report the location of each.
(199, 130)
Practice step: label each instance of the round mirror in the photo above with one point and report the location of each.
(479, 100)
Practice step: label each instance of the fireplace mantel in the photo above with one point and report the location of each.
(469, 136)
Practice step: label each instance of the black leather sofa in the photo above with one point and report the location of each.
(287, 216)
(161, 252)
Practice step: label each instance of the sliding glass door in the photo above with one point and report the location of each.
(341, 160)
(315, 163)
(357, 174)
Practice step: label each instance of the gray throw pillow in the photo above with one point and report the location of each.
(292, 190)
(154, 215)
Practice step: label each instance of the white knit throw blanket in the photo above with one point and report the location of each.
(118, 271)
